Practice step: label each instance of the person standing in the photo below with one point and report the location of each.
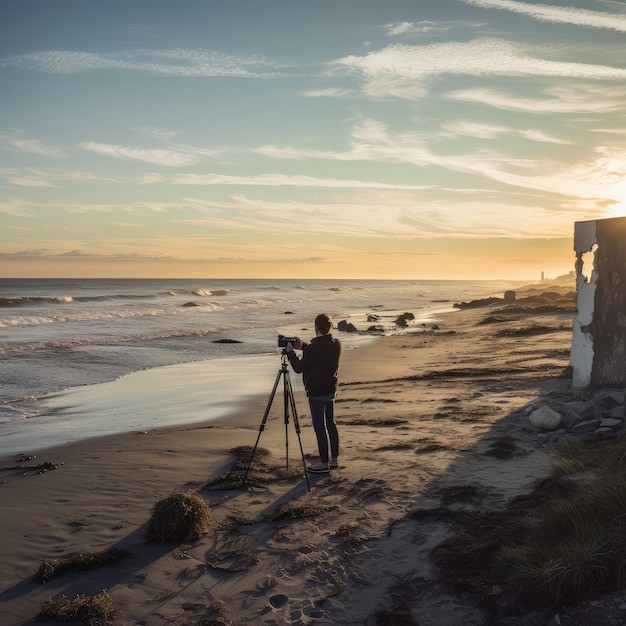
(319, 366)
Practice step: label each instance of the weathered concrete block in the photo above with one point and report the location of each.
(598, 355)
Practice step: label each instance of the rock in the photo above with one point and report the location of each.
(610, 398)
(375, 329)
(587, 426)
(570, 417)
(373, 318)
(545, 418)
(402, 320)
(584, 409)
(227, 341)
(600, 412)
(492, 319)
(346, 326)
(608, 422)
(477, 303)
(605, 433)
(191, 304)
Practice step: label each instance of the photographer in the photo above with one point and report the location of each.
(318, 366)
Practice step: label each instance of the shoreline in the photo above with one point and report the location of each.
(419, 415)
(149, 398)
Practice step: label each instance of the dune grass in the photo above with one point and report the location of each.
(575, 547)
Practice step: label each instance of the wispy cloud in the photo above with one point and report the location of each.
(49, 177)
(36, 147)
(327, 93)
(491, 131)
(579, 98)
(156, 156)
(29, 181)
(402, 70)
(169, 139)
(411, 29)
(372, 141)
(285, 180)
(474, 129)
(174, 62)
(557, 15)
(402, 215)
(541, 137)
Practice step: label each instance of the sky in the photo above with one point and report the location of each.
(456, 139)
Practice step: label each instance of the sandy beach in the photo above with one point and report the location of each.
(433, 424)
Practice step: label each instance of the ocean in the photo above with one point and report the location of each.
(82, 358)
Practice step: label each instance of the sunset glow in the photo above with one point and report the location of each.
(456, 139)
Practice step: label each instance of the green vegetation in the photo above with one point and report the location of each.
(575, 546)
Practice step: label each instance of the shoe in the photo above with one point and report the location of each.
(318, 470)
(333, 465)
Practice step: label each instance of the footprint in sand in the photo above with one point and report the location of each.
(279, 601)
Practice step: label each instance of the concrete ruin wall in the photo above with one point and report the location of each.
(598, 355)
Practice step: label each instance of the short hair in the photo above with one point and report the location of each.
(323, 323)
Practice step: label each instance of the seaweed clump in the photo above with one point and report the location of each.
(50, 568)
(91, 610)
(182, 516)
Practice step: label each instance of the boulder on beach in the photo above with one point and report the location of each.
(403, 320)
(545, 418)
(346, 326)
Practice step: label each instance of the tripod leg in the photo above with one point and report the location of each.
(262, 426)
(286, 414)
(296, 423)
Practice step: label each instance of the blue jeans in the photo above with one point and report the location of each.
(323, 416)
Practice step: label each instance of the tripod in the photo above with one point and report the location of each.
(288, 402)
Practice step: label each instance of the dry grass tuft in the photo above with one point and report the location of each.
(84, 561)
(182, 516)
(94, 611)
(233, 554)
(262, 458)
(530, 331)
(374, 421)
(263, 471)
(294, 510)
(577, 546)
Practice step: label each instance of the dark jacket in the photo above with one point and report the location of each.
(318, 365)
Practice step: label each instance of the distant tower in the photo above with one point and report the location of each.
(542, 276)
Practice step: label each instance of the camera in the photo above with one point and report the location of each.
(283, 341)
